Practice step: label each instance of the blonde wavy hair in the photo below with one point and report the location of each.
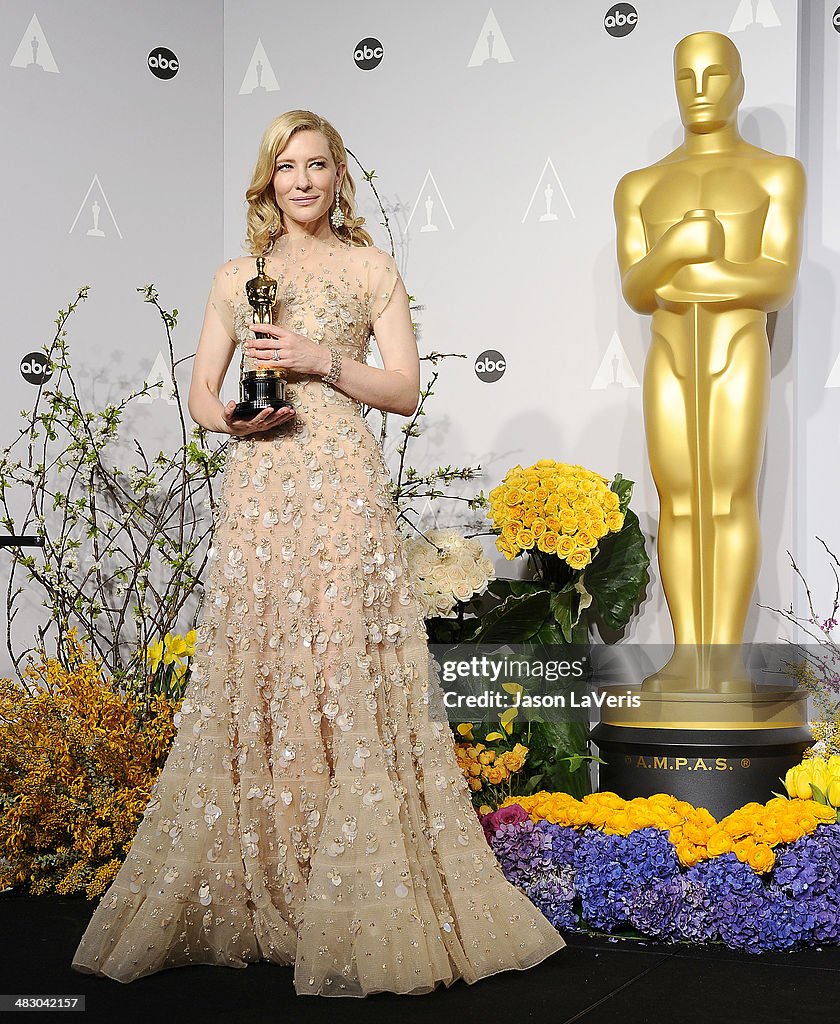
(265, 219)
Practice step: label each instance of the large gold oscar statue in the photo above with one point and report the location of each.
(709, 242)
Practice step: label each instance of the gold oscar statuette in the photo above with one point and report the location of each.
(709, 242)
(262, 388)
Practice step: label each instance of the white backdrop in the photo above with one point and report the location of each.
(817, 408)
(506, 128)
(111, 177)
(564, 106)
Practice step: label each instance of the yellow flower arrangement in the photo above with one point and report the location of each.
(484, 767)
(167, 663)
(751, 832)
(826, 733)
(557, 508)
(78, 759)
(816, 777)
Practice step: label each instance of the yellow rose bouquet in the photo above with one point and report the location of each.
(585, 546)
(554, 509)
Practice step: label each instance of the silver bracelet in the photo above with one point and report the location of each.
(335, 367)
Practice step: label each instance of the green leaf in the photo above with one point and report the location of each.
(580, 631)
(552, 745)
(565, 607)
(618, 576)
(624, 489)
(533, 784)
(818, 795)
(516, 619)
(503, 588)
(549, 633)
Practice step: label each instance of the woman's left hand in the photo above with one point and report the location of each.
(295, 352)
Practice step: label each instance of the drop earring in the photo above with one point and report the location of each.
(337, 216)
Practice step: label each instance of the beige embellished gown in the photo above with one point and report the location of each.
(311, 811)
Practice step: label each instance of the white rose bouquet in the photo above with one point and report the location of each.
(448, 569)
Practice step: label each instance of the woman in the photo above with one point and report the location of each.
(311, 811)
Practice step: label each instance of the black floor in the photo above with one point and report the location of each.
(593, 980)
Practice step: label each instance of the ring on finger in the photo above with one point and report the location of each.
(277, 355)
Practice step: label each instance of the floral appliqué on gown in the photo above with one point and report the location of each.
(311, 811)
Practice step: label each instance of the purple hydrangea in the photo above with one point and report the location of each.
(741, 910)
(585, 878)
(610, 871)
(564, 840)
(806, 876)
(523, 850)
(553, 892)
(696, 915)
(656, 909)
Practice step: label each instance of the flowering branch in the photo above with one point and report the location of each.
(119, 546)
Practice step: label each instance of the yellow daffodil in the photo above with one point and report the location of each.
(175, 647)
(154, 653)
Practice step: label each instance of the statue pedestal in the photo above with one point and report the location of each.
(714, 750)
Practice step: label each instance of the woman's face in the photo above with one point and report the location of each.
(305, 178)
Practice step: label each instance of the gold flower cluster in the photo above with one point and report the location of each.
(750, 832)
(559, 509)
(481, 765)
(77, 763)
(826, 733)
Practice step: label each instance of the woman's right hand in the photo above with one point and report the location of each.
(265, 420)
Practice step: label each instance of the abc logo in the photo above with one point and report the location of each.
(621, 19)
(490, 366)
(369, 54)
(835, 21)
(35, 368)
(163, 63)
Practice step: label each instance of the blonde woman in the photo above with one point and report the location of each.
(311, 811)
